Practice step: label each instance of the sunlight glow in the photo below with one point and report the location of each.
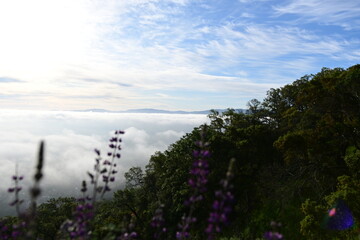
(39, 36)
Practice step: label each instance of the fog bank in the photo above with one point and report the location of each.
(71, 137)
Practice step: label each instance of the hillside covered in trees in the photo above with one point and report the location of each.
(296, 154)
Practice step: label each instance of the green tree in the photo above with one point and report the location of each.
(134, 177)
(52, 214)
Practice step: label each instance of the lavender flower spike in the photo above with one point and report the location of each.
(158, 221)
(16, 189)
(197, 181)
(109, 165)
(104, 169)
(274, 234)
(35, 192)
(222, 205)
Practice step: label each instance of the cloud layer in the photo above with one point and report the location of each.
(70, 140)
(169, 54)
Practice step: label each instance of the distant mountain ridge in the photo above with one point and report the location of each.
(151, 110)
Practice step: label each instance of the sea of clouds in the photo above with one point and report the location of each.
(70, 139)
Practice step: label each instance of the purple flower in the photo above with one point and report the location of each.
(105, 178)
(199, 174)
(17, 230)
(83, 187)
(79, 227)
(197, 181)
(128, 232)
(128, 236)
(104, 169)
(97, 151)
(182, 235)
(16, 189)
(13, 203)
(157, 222)
(107, 189)
(273, 236)
(222, 205)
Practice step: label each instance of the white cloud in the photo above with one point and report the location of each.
(323, 11)
(104, 45)
(136, 49)
(168, 136)
(70, 140)
(247, 15)
(286, 51)
(263, 42)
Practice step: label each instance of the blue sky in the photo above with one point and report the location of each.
(167, 54)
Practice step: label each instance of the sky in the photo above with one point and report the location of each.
(70, 139)
(166, 54)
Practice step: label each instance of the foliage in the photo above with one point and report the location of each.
(51, 215)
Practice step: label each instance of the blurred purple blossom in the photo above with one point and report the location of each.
(16, 189)
(274, 234)
(197, 181)
(158, 222)
(103, 169)
(79, 226)
(222, 205)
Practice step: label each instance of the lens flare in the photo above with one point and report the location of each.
(339, 217)
(332, 212)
